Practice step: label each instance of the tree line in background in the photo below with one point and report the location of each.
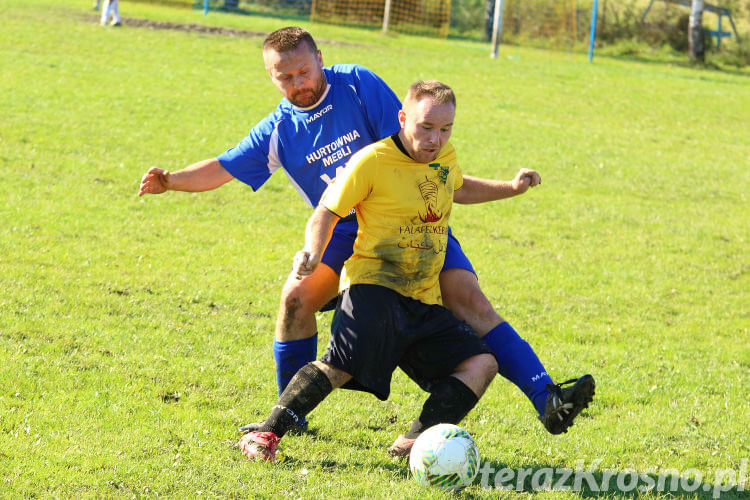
(622, 23)
(677, 26)
(560, 23)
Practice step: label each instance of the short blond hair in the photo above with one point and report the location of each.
(289, 39)
(440, 92)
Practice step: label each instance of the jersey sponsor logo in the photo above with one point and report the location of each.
(320, 113)
(423, 245)
(441, 171)
(429, 191)
(335, 150)
(341, 153)
(423, 230)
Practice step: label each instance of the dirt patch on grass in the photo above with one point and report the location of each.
(209, 30)
(191, 28)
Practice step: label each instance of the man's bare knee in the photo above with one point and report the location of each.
(301, 299)
(308, 295)
(477, 372)
(479, 365)
(295, 319)
(294, 300)
(336, 376)
(487, 365)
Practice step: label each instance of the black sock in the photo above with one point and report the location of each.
(451, 400)
(305, 391)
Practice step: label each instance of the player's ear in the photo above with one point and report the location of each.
(401, 117)
(319, 57)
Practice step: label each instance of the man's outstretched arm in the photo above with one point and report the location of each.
(317, 233)
(478, 190)
(202, 176)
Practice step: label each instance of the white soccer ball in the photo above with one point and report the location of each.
(444, 456)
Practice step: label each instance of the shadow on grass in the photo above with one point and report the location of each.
(678, 63)
(581, 480)
(398, 468)
(609, 483)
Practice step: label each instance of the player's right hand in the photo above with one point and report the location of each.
(304, 264)
(155, 181)
(525, 179)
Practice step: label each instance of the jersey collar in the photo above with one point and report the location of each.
(397, 141)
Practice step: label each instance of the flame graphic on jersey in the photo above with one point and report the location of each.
(429, 191)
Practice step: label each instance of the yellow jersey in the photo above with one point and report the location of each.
(402, 210)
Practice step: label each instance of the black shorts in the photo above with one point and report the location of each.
(375, 329)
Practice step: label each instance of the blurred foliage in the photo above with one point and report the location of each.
(621, 24)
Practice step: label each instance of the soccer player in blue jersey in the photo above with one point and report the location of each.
(326, 115)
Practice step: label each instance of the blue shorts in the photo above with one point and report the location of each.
(341, 247)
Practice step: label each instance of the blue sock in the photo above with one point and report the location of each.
(519, 363)
(291, 355)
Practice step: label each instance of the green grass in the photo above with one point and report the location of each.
(135, 334)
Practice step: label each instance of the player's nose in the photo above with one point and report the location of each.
(298, 81)
(435, 137)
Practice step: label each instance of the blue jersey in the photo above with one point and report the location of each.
(313, 144)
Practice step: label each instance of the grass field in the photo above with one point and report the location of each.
(135, 333)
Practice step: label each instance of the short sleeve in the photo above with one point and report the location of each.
(458, 181)
(254, 159)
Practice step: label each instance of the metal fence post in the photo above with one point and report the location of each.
(592, 37)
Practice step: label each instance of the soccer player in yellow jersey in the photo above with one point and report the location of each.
(403, 207)
(389, 311)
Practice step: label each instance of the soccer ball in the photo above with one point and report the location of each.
(444, 456)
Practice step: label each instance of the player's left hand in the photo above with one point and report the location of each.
(526, 178)
(304, 264)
